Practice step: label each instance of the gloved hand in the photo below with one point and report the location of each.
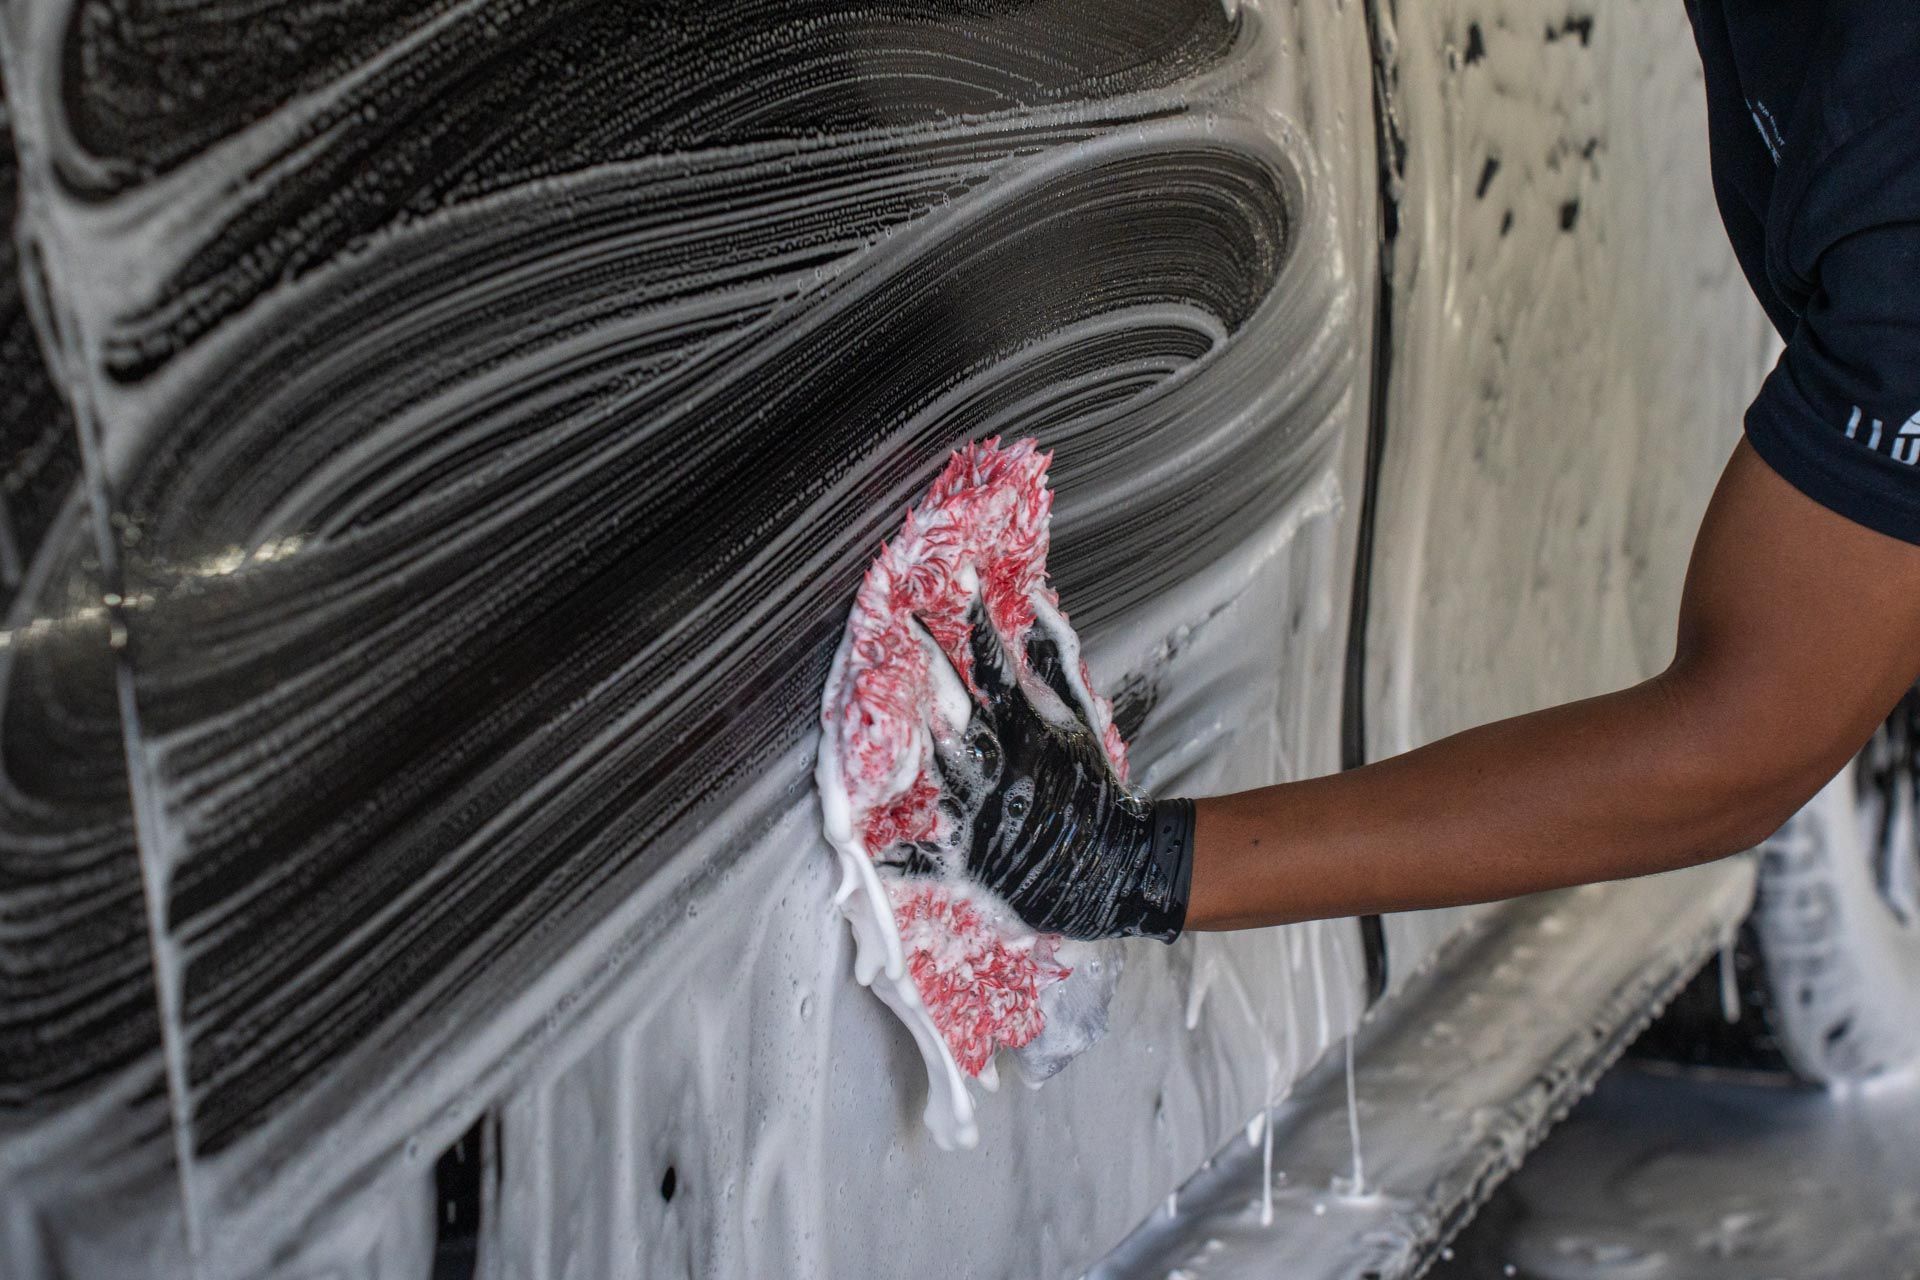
(1033, 804)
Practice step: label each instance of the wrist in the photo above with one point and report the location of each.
(1156, 903)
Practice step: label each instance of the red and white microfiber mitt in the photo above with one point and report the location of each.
(963, 973)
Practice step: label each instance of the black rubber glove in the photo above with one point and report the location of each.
(1035, 807)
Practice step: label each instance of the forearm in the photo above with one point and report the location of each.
(1798, 630)
(1616, 786)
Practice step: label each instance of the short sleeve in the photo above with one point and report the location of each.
(1839, 417)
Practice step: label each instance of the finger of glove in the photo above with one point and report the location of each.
(951, 700)
(1054, 653)
(994, 672)
(965, 725)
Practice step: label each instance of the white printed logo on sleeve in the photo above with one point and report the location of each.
(1904, 444)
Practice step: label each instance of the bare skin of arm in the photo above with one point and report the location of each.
(1799, 630)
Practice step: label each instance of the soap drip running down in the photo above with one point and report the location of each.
(964, 974)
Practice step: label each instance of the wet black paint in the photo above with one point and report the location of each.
(488, 464)
(76, 986)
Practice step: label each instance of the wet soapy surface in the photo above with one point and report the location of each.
(1657, 1178)
(487, 412)
(1370, 1163)
(810, 1157)
(481, 447)
(1573, 351)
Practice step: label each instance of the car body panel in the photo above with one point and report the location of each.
(481, 416)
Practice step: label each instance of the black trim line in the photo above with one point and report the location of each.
(1391, 149)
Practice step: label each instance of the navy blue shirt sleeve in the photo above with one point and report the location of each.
(1839, 417)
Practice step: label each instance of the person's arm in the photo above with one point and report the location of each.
(1799, 630)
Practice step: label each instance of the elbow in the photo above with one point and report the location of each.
(1754, 821)
(1745, 762)
(1730, 818)
(1737, 812)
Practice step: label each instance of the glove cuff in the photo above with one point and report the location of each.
(1159, 900)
